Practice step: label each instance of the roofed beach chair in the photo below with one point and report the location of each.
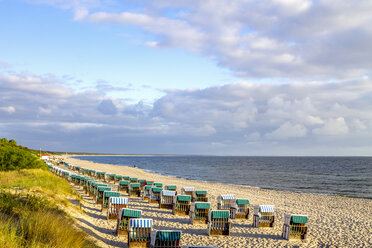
(155, 195)
(199, 212)
(134, 190)
(122, 225)
(115, 204)
(200, 196)
(86, 188)
(76, 168)
(149, 183)
(110, 178)
(139, 234)
(295, 226)
(240, 209)
(158, 185)
(225, 202)
(82, 181)
(142, 182)
(92, 173)
(165, 239)
(187, 191)
(85, 171)
(99, 195)
(100, 175)
(133, 180)
(146, 192)
(106, 197)
(219, 222)
(118, 178)
(181, 205)
(95, 188)
(263, 216)
(171, 187)
(124, 186)
(126, 178)
(166, 199)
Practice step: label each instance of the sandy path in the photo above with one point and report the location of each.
(333, 221)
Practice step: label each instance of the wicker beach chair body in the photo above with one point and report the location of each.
(134, 190)
(99, 195)
(219, 222)
(200, 196)
(188, 191)
(171, 187)
(124, 186)
(166, 199)
(106, 197)
(155, 195)
(295, 226)
(225, 202)
(165, 239)
(115, 204)
(139, 233)
(199, 212)
(240, 209)
(122, 225)
(146, 192)
(263, 216)
(181, 205)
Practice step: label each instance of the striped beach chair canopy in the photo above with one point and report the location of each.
(118, 176)
(141, 180)
(171, 187)
(123, 183)
(168, 193)
(266, 208)
(103, 188)
(188, 189)
(202, 205)
(140, 223)
(111, 194)
(131, 213)
(201, 192)
(168, 235)
(186, 198)
(126, 178)
(118, 200)
(220, 214)
(242, 201)
(149, 182)
(227, 197)
(133, 179)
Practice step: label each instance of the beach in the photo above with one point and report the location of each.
(334, 221)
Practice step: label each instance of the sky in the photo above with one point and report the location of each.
(207, 77)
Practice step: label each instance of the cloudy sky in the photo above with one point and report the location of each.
(244, 77)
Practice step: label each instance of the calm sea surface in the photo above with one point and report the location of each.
(349, 176)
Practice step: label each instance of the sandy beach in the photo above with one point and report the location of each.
(334, 221)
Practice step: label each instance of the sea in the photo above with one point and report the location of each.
(345, 176)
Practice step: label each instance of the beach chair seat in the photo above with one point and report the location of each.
(181, 205)
(295, 226)
(199, 212)
(155, 195)
(187, 191)
(166, 199)
(122, 225)
(165, 239)
(106, 197)
(225, 202)
(263, 216)
(146, 192)
(124, 186)
(219, 222)
(171, 187)
(134, 190)
(100, 191)
(139, 234)
(115, 204)
(200, 196)
(240, 209)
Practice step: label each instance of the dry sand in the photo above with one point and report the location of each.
(334, 221)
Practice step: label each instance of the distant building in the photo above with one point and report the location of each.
(45, 157)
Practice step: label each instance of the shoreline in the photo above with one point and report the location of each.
(351, 214)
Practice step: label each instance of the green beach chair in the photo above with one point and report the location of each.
(199, 212)
(166, 239)
(155, 195)
(240, 209)
(106, 196)
(124, 186)
(100, 191)
(125, 214)
(171, 187)
(219, 222)
(295, 226)
(134, 190)
(146, 191)
(181, 205)
(200, 196)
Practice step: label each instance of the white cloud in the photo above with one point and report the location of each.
(9, 109)
(288, 130)
(333, 127)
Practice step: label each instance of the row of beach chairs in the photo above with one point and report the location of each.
(191, 202)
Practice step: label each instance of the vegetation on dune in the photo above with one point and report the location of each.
(14, 157)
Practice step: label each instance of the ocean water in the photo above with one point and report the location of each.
(348, 176)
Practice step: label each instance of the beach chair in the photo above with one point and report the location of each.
(263, 216)
(155, 195)
(124, 186)
(295, 226)
(110, 178)
(134, 190)
(142, 182)
(95, 188)
(187, 191)
(146, 192)
(166, 199)
(219, 222)
(200, 196)
(240, 209)
(88, 184)
(118, 178)
(149, 183)
(171, 188)
(133, 180)
(126, 178)
(82, 180)
(115, 204)
(99, 194)
(181, 205)
(225, 202)
(165, 239)
(199, 212)
(158, 185)
(100, 175)
(106, 197)
(139, 234)
(122, 225)
(85, 171)
(92, 173)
